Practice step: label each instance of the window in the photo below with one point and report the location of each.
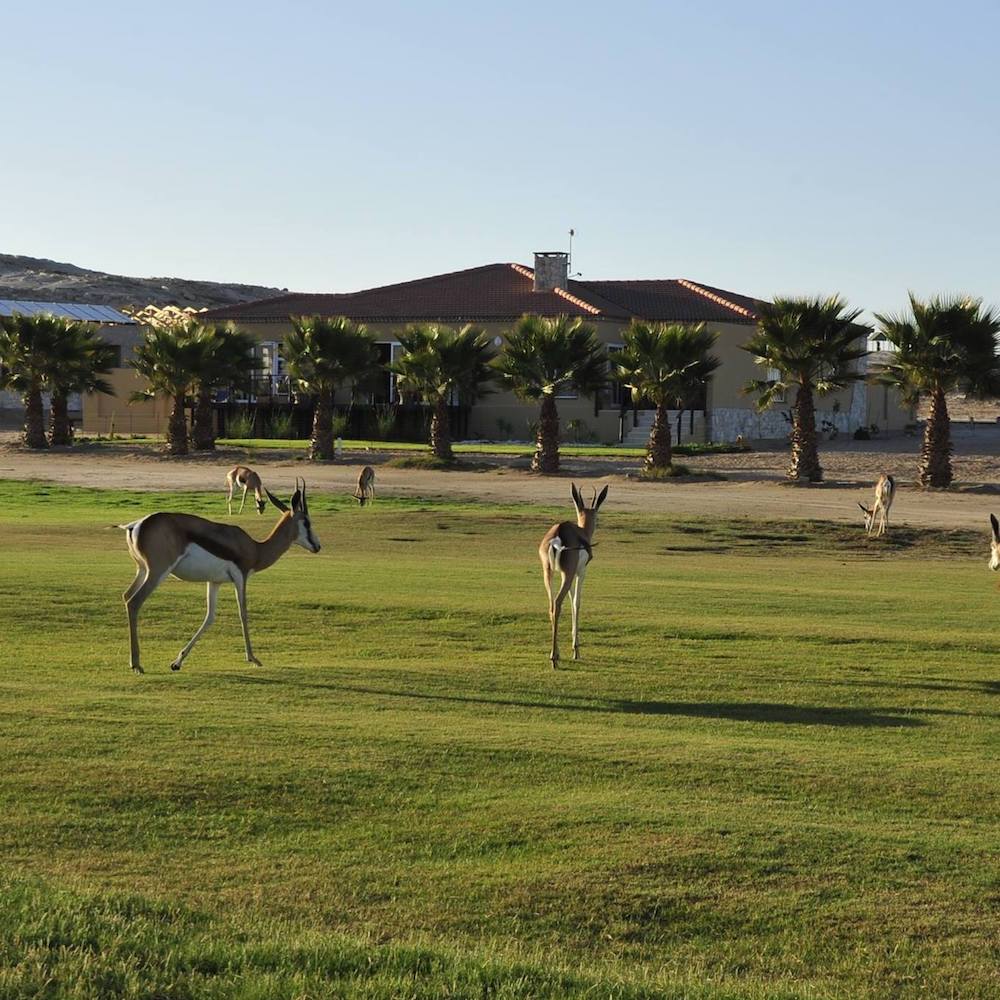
(621, 395)
(773, 375)
(380, 387)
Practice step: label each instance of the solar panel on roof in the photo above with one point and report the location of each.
(67, 310)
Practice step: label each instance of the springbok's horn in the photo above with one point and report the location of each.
(277, 503)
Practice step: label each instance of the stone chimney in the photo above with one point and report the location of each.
(551, 270)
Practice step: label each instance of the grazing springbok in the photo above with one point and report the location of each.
(194, 549)
(567, 547)
(366, 485)
(995, 543)
(885, 491)
(240, 477)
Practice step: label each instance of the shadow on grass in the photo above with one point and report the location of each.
(767, 712)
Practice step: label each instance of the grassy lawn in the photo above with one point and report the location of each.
(772, 774)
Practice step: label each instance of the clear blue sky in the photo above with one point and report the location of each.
(770, 147)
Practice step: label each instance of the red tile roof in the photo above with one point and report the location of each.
(504, 292)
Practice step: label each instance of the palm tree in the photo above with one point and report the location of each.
(169, 359)
(811, 346)
(82, 358)
(946, 344)
(545, 358)
(439, 363)
(666, 364)
(226, 362)
(320, 355)
(28, 349)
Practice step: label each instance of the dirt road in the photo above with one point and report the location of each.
(752, 488)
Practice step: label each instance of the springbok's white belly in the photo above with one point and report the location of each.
(197, 565)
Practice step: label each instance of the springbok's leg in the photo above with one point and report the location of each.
(244, 500)
(577, 588)
(229, 499)
(240, 584)
(547, 577)
(212, 597)
(133, 603)
(141, 572)
(567, 582)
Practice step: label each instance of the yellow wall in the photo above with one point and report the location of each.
(725, 391)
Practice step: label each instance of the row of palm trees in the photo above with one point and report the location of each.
(811, 348)
(543, 358)
(61, 356)
(808, 346)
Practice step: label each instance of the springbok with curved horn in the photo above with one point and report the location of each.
(241, 477)
(567, 547)
(194, 549)
(885, 492)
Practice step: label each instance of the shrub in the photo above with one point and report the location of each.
(242, 425)
(280, 427)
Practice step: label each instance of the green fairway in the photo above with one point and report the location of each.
(773, 773)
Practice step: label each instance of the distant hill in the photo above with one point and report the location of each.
(50, 281)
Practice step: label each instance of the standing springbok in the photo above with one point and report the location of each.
(885, 491)
(567, 547)
(194, 549)
(995, 543)
(366, 485)
(241, 477)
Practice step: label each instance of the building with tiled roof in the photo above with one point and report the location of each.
(495, 296)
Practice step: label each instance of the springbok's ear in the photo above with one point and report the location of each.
(305, 505)
(277, 503)
(577, 498)
(297, 501)
(863, 507)
(601, 498)
(996, 527)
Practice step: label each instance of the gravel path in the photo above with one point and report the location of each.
(753, 486)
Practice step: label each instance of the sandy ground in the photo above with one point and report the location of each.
(753, 485)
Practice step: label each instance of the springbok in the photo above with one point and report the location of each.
(241, 477)
(567, 547)
(366, 485)
(885, 491)
(200, 551)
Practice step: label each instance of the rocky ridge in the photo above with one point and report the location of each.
(38, 279)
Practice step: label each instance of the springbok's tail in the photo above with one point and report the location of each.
(556, 547)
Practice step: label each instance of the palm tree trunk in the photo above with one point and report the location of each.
(34, 419)
(658, 452)
(441, 431)
(203, 425)
(177, 434)
(805, 454)
(546, 458)
(60, 432)
(322, 435)
(935, 456)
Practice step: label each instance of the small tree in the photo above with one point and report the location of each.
(29, 347)
(321, 354)
(811, 347)
(545, 358)
(82, 358)
(169, 359)
(226, 361)
(944, 345)
(666, 364)
(439, 363)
